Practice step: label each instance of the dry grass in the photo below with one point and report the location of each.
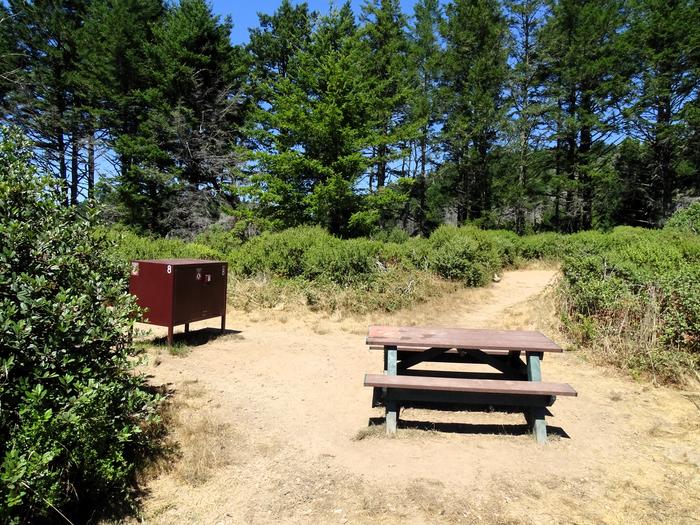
(200, 443)
(387, 292)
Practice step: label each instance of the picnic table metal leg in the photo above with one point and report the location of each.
(390, 368)
(535, 416)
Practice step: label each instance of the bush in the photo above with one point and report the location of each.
(638, 292)
(280, 254)
(465, 254)
(342, 262)
(75, 417)
(128, 246)
(547, 245)
(686, 220)
(462, 254)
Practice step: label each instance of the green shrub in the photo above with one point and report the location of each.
(342, 262)
(639, 289)
(75, 416)
(219, 239)
(547, 245)
(465, 254)
(686, 220)
(505, 243)
(411, 254)
(128, 246)
(680, 303)
(280, 254)
(395, 235)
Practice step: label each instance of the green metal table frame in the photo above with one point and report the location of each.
(510, 365)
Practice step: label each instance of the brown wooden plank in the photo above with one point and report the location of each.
(451, 351)
(416, 337)
(451, 384)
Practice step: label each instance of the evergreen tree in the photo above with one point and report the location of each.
(584, 85)
(662, 39)
(314, 130)
(332, 131)
(425, 56)
(279, 184)
(176, 115)
(474, 72)
(118, 34)
(46, 101)
(8, 55)
(525, 108)
(384, 54)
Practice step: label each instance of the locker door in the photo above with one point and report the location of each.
(188, 294)
(214, 290)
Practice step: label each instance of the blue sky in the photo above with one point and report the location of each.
(244, 12)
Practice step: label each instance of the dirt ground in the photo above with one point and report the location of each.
(272, 425)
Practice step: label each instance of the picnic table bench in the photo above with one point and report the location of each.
(516, 383)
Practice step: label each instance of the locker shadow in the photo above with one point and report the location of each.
(196, 337)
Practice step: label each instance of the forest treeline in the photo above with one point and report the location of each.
(524, 114)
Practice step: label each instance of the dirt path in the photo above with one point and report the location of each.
(272, 424)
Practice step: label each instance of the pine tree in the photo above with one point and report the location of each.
(584, 85)
(525, 106)
(662, 42)
(117, 35)
(474, 72)
(45, 100)
(384, 54)
(425, 57)
(280, 183)
(174, 105)
(8, 55)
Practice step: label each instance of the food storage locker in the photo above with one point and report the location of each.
(179, 291)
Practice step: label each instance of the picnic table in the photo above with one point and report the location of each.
(514, 383)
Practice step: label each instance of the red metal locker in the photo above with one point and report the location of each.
(180, 291)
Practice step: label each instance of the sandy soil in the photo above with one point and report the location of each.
(272, 424)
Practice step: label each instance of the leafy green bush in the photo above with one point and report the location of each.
(128, 246)
(280, 254)
(686, 220)
(465, 254)
(74, 415)
(639, 295)
(411, 254)
(394, 235)
(342, 262)
(547, 245)
(219, 239)
(506, 244)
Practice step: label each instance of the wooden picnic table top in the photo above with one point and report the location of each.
(462, 338)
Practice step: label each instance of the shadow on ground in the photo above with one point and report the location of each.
(509, 429)
(195, 337)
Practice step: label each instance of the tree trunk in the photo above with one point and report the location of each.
(74, 168)
(91, 166)
(586, 142)
(520, 206)
(62, 168)
(663, 154)
(370, 183)
(484, 177)
(570, 166)
(422, 186)
(381, 166)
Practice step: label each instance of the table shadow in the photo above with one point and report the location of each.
(509, 429)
